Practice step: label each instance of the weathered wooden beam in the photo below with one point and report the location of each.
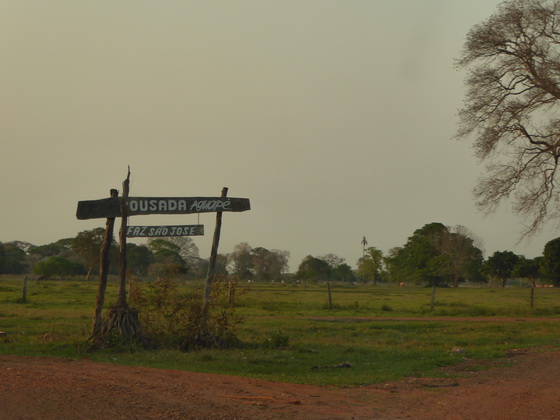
(110, 207)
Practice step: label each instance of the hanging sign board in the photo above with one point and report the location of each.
(163, 231)
(110, 207)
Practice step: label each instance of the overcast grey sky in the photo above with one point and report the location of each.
(335, 118)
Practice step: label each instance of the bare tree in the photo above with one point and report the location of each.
(512, 108)
(187, 249)
(459, 256)
(269, 264)
(242, 260)
(332, 259)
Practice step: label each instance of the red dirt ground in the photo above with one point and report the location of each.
(49, 388)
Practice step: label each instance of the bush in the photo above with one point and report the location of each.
(171, 319)
(277, 340)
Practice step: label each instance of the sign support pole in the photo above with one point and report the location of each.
(121, 299)
(212, 264)
(103, 270)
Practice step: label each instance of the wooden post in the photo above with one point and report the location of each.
(212, 264)
(433, 301)
(330, 295)
(121, 298)
(24, 294)
(532, 296)
(103, 269)
(231, 292)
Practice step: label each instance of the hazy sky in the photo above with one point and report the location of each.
(335, 118)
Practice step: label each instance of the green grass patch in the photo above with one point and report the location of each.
(288, 329)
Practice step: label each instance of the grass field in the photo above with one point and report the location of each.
(288, 329)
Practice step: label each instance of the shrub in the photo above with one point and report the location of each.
(277, 340)
(173, 319)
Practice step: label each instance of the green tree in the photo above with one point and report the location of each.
(258, 263)
(459, 257)
(370, 266)
(500, 266)
(339, 270)
(63, 248)
(551, 261)
(185, 247)
(87, 245)
(314, 269)
(269, 264)
(343, 272)
(332, 260)
(242, 261)
(138, 258)
(2, 258)
(529, 269)
(512, 107)
(436, 254)
(413, 262)
(12, 259)
(166, 260)
(57, 266)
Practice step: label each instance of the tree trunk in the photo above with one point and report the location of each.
(90, 269)
(455, 279)
(532, 296)
(121, 319)
(212, 266)
(103, 270)
(121, 296)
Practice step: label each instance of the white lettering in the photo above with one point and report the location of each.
(210, 205)
(178, 205)
(194, 205)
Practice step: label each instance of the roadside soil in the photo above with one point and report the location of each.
(524, 386)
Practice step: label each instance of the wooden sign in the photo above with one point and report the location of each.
(109, 207)
(162, 231)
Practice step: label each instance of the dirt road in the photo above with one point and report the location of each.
(50, 388)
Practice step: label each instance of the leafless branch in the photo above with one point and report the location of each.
(511, 107)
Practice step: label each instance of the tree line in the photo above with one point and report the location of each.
(434, 255)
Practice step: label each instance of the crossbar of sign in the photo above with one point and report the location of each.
(163, 231)
(110, 207)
